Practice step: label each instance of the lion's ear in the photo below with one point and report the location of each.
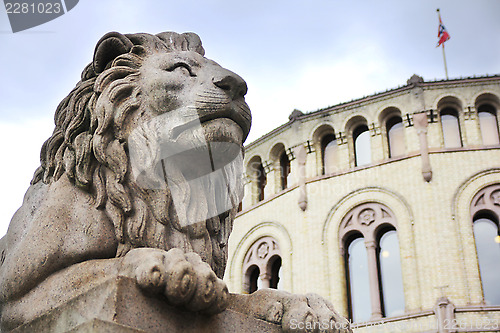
(110, 46)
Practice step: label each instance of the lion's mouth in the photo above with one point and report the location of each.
(238, 112)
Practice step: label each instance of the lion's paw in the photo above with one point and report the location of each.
(183, 278)
(298, 313)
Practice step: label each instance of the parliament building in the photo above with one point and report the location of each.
(388, 206)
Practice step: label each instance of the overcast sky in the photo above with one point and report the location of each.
(301, 55)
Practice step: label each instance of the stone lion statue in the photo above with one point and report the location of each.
(122, 189)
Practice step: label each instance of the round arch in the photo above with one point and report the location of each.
(234, 271)
(461, 214)
(325, 147)
(332, 247)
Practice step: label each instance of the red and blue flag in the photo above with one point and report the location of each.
(443, 35)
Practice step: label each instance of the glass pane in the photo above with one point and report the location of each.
(261, 181)
(390, 272)
(488, 253)
(451, 131)
(489, 128)
(254, 281)
(362, 147)
(329, 151)
(275, 274)
(396, 139)
(359, 284)
(285, 170)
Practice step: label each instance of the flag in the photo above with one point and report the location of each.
(443, 35)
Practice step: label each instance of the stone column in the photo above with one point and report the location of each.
(420, 121)
(269, 190)
(300, 152)
(445, 313)
(265, 278)
(371, 251)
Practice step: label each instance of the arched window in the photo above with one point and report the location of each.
(258, 180)
(325, 146)
(262, 265)
(390, 274)
(261, 181)
(485, 212)
(358, 280)
(328, 152)
(451, 128)
(488, 123)
(487, 236)
(253, 279)
(395, 136)
(362, 147)
(275, 269)
(373, 265)
(284, 170)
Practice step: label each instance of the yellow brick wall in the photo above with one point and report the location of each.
(433, 221)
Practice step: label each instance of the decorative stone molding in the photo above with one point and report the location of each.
(470, 113)
(420, 120)
(301, 153)
(407, 120)
(488, 199)
(261, 254)
(366, 219)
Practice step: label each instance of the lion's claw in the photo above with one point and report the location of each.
(295, 313)
(184, 279)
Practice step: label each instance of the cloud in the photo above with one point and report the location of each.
(319, 84)
(20, 149)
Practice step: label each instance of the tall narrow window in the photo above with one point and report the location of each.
(487, 236)
(359, 283)
(261, 181)
(328, 151)
(451, 128)
(253, 279)
(362, 149)
(284, 169)
(258, 181)
(390, 275)
(395, 136)
(488, 123)
(274, 281)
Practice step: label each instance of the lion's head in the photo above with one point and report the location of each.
(137, 86)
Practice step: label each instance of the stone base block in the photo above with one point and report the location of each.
(118, 305)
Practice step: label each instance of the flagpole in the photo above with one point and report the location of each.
(445, 67)
(444, 54)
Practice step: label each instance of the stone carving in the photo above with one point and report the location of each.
(263, 250)
(487, 199)
(366, 219)
(495, 198)
(367, 216)
(140, 180)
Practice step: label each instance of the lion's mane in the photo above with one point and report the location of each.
(88, 144)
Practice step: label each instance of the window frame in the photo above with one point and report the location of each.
(263, 253)
(370, 220)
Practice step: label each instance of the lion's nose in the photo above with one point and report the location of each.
(231, 83)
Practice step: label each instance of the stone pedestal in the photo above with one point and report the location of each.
(118, 305)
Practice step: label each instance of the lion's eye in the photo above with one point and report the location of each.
(181, 66)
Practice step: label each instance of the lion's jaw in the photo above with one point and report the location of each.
(187, 158)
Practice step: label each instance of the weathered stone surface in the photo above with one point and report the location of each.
(139, 184)
(119, 305)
